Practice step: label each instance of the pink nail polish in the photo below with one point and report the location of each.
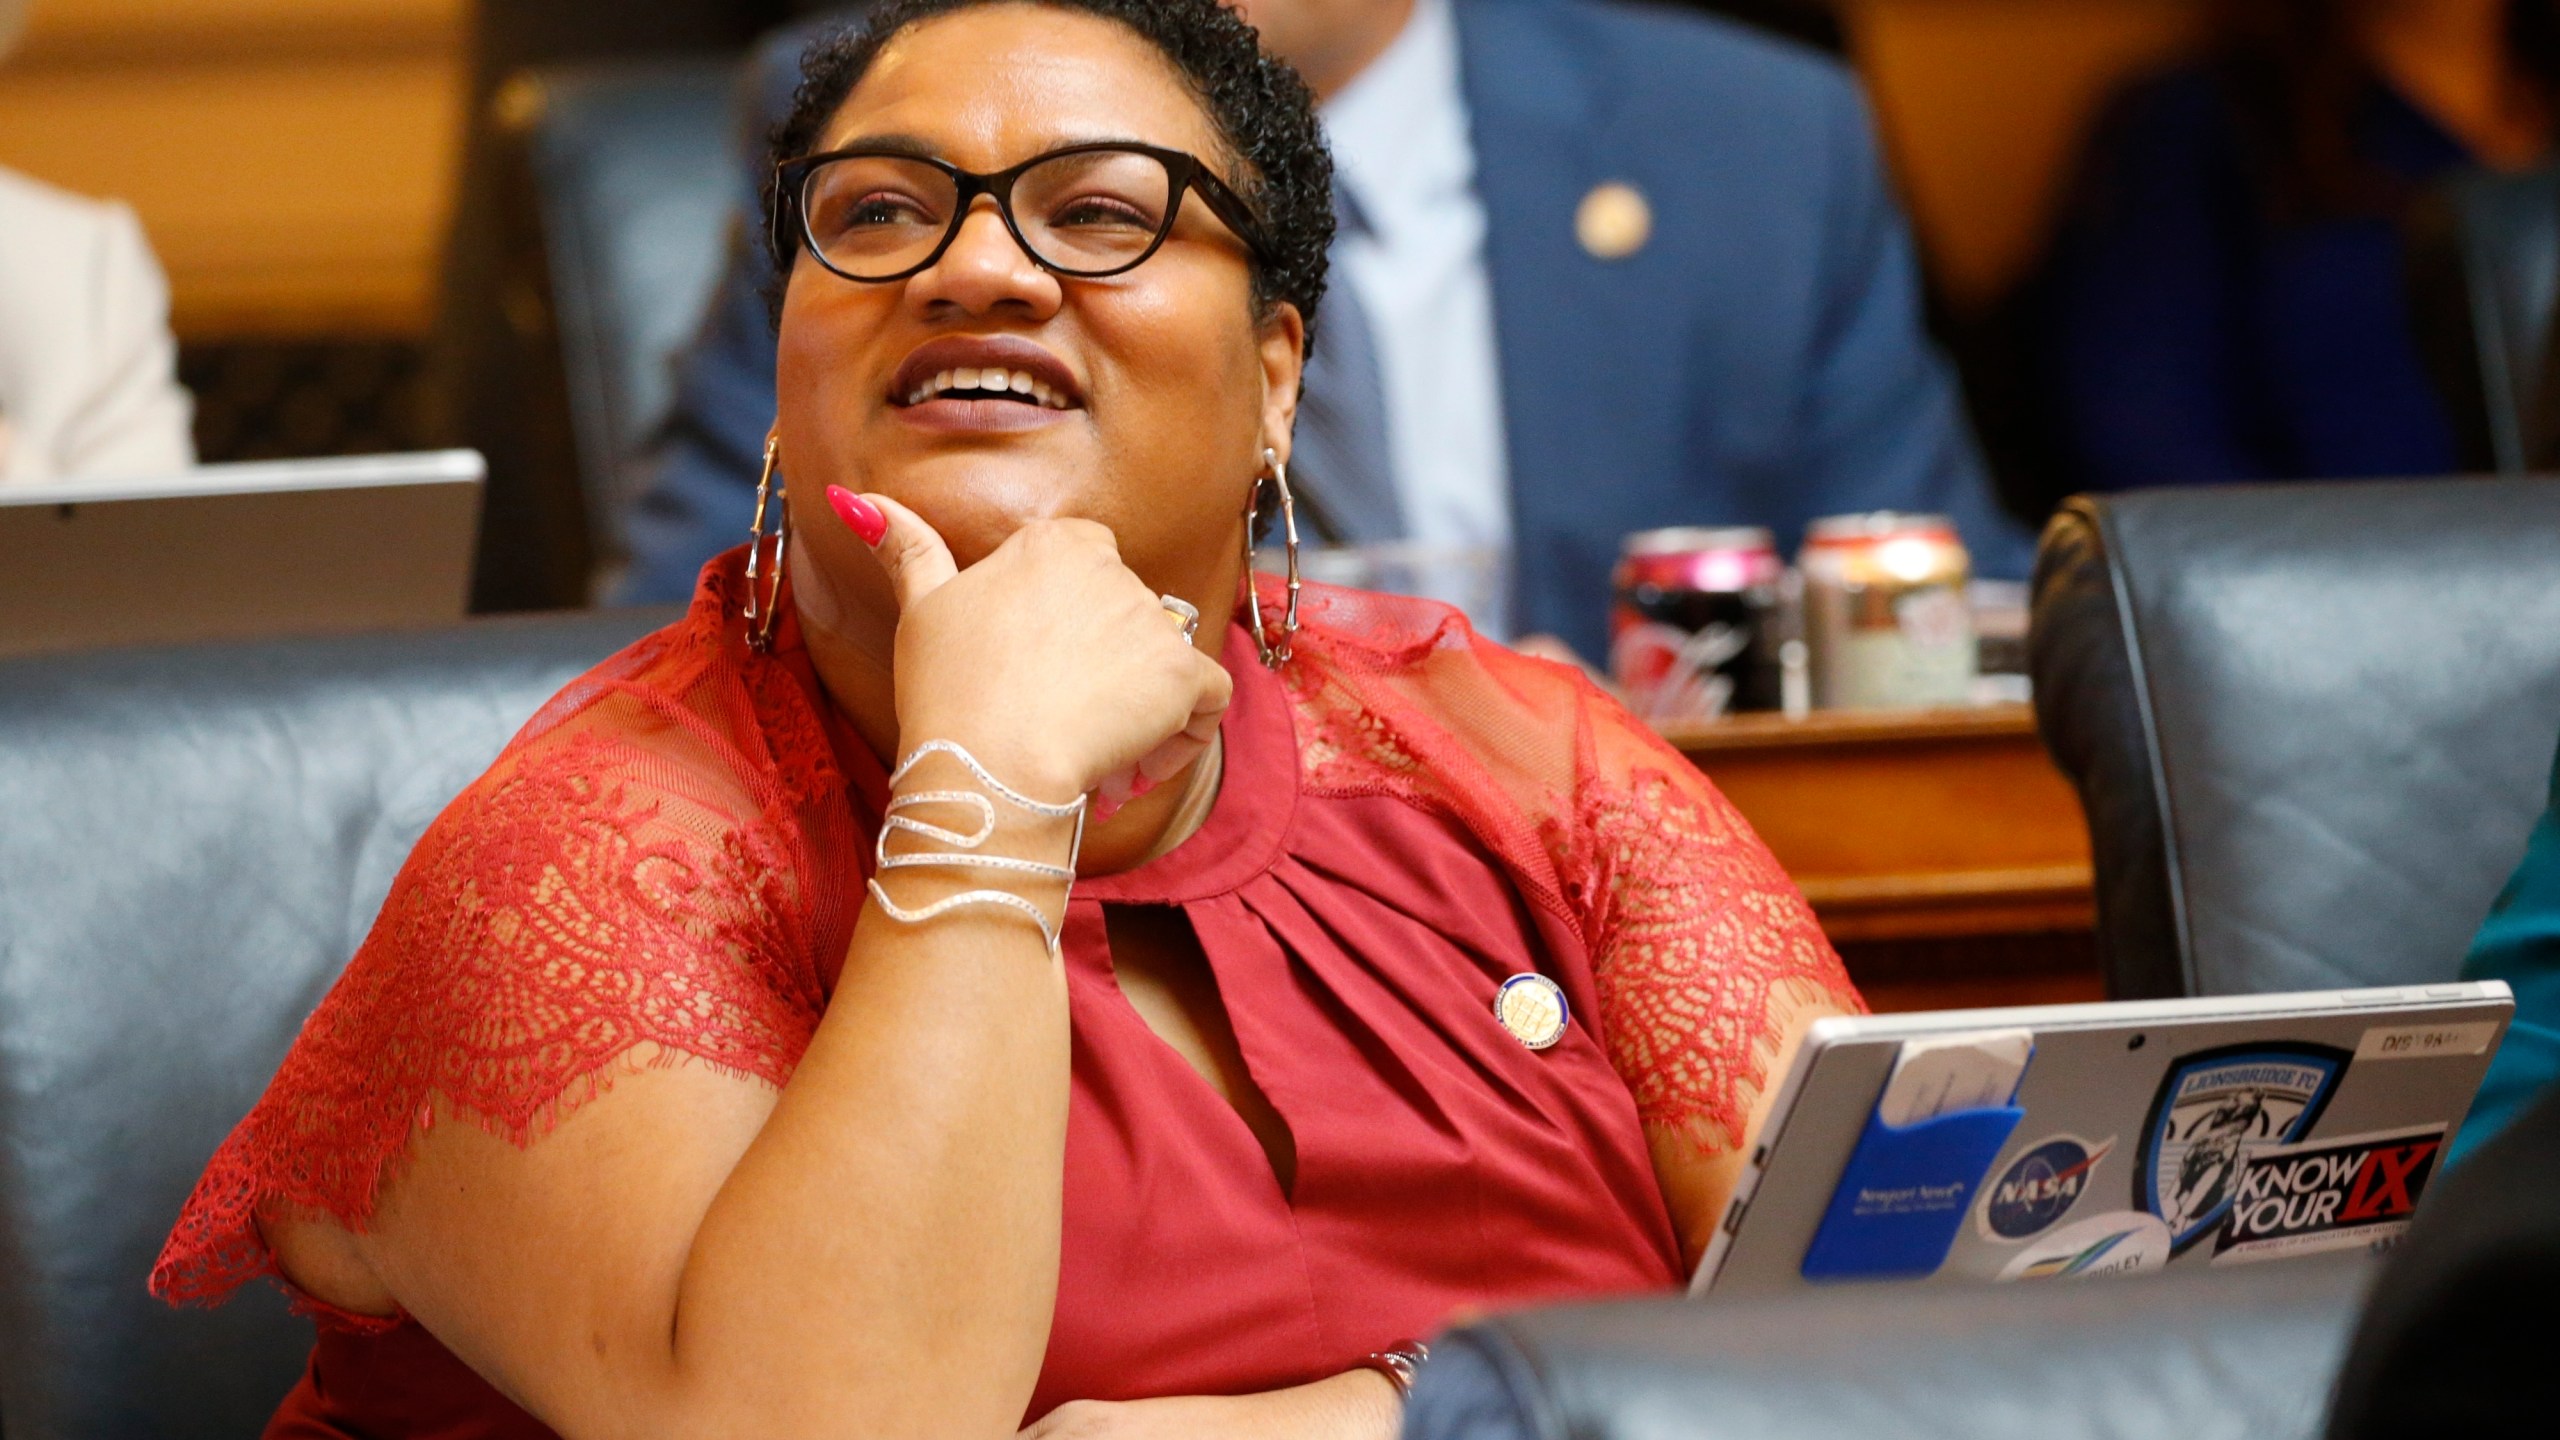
(859, 515)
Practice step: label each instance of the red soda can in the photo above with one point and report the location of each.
(1694, 630)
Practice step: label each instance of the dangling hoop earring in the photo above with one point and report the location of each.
(762, 617)
(1278, 474)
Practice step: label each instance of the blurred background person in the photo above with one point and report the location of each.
(88, 372)
(1600, 270)
(2520, 944)
(2226, 299)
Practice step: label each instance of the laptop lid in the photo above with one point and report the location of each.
(239, 551)
(2135, 1136)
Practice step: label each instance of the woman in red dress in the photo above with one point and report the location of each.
(774, 1041)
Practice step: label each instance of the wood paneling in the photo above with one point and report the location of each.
(121, 33)
(1984, 104)
(1925, 825)
(1944, 854)
(292, 160)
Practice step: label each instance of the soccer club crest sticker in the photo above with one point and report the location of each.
(2211, 1106)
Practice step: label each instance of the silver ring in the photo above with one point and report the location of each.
(1184, 611)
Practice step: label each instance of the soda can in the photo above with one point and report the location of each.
(1694, 630)
(1885, 612)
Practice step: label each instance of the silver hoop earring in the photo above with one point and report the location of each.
(1276, 473)
(762, 617)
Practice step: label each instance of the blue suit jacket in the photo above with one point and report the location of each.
(1759, 361)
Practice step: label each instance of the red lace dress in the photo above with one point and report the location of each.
(672, 852)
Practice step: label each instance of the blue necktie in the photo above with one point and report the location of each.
(1341, 463)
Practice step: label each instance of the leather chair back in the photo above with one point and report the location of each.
(192, 843)
(2508, 230)
(634, 179)
(2310, 724)
(2481, 253)
(2213, 1355)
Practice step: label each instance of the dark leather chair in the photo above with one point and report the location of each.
(2485, 277)
(607, 189)
(2194, 1357)
(192, 842)
(635, 179)
(2310, 724)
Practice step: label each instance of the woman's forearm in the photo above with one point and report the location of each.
(887, 1248)
(1356, 1405)
(870, 1250)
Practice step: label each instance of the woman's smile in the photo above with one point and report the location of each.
(983, 384)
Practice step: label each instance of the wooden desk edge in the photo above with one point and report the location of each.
(1840, 728)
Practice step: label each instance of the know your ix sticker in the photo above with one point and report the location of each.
(2333, 1194)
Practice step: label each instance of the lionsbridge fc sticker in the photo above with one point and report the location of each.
(2212, 1106)
(2336, 1194)
(2039, 1187)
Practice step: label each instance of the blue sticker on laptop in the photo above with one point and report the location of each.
(2039, 1187)
(2209, 1107)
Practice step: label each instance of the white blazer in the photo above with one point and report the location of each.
(88, 371)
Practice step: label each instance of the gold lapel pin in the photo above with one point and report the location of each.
(1533, 1009)
(1614, 221)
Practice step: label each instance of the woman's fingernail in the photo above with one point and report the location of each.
(859, 515)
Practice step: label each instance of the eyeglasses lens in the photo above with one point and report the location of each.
(1089, 212)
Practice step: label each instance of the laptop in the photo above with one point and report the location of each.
(237, 551)
(2059, 1142)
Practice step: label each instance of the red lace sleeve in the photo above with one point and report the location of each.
(624, 876)
(1700, 946)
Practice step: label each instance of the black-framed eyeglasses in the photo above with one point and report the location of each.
(1087, 211)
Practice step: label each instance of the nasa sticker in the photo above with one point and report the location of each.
(2214, 1105)
(2122, 1242)
(2038, 1188)
(2350, 1192)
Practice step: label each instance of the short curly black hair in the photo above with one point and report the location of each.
(1263, 112)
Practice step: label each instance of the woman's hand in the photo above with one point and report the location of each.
(1358, 1405)
(1049, 660)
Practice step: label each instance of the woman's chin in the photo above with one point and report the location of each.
(980, 506)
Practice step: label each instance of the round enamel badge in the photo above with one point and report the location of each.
(1532, 1008)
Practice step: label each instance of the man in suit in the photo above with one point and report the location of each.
(1601, 269)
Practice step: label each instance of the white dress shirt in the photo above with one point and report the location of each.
(1403, 153)
(88, 371)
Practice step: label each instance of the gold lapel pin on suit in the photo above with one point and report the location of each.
(1614, 221)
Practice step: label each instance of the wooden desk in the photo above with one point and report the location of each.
(1944, 853)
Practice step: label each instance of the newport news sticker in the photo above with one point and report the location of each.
(2211, 1106)
(2124, 1242)
(2335, 1194)
(2038, 1188)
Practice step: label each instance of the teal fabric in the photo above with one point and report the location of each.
(2520, 944)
